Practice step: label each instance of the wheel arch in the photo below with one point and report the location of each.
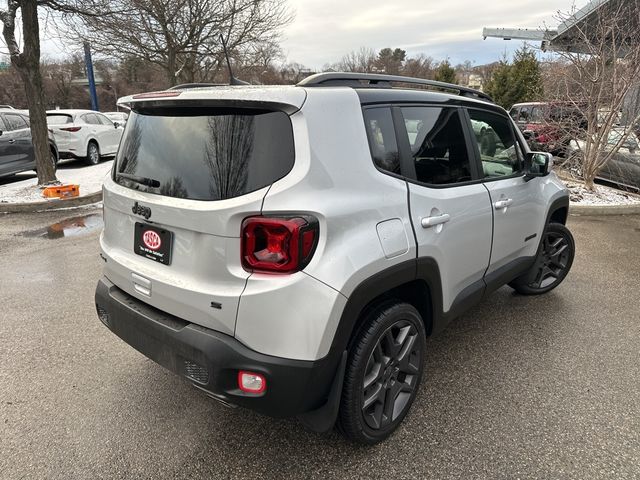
(558, 211)
(89, 142)
(416, 282)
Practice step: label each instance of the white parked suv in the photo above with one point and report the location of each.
(84, 134)
(288, 249)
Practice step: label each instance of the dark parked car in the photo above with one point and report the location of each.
(16, 149)
(623, 169)
(549, 126)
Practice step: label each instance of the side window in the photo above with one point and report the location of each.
(90, 118)
(2, 125)
(525, 114)
(104, 120)
(536, 114)
(15, 122)
(499, 151)
(437, 144)
(382, 139)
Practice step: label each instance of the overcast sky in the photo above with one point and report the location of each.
(325, 30)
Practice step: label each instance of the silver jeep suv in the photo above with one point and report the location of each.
(288, 249)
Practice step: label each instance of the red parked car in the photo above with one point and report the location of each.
(549, 126)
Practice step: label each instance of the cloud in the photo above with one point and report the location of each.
(325, 30)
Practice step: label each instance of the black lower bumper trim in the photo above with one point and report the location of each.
(211, 360)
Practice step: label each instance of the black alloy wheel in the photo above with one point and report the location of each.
(391, 374)
(383, 373)
(554, 260)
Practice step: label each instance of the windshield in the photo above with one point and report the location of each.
(205, 154)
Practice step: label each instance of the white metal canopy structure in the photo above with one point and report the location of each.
(570, 34)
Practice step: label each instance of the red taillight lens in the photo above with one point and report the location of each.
(71, 129)
(278, 244)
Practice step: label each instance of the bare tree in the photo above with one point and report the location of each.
(362, 60)
(26, 61)
(420, 66)
(600, 69)
(182, 36)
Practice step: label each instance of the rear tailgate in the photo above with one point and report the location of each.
(191, 174)
(204, 280)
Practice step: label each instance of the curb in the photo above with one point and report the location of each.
(595, 210)
(50, 204)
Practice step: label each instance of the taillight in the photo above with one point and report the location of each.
(71, 129)
(278, 244)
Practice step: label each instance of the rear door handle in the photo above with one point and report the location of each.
(12, 141)
(428, 222)
(500, 204)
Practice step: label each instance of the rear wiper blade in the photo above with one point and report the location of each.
(149, 182)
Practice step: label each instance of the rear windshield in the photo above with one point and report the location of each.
(58, 119)
(210, 155)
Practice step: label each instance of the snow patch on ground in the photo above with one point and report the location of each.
(89, 177)
(602, 195)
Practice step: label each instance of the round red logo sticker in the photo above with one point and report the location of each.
(151, 239)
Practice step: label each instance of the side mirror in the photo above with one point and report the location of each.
(529, 135)
(116, 124)
(537, 164)
(1, 132)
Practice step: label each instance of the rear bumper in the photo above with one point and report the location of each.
(211, 360)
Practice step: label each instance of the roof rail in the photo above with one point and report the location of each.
(334, 79)
(187, 86)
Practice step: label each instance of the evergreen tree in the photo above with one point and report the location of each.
(518, 82)
(499, 84)
(390, 61)
(526, 79)
(445, 73)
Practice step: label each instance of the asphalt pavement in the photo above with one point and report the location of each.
(519, 387)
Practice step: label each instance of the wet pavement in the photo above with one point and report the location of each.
(519, 387)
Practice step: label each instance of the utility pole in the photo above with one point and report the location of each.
(92, 81)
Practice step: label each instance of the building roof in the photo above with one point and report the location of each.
(568, 35)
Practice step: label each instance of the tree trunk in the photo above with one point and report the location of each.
(28, 65)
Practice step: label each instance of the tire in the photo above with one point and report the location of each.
(93, 153)
(54, 159)
(553, 262)
(388, 356)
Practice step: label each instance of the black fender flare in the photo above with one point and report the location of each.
(425, 269)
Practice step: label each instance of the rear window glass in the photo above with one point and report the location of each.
(56, 119)
(213, 155)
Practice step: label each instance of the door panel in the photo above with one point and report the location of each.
(462, 243)
(518, 220)
(452, 221)
(4, 149)
(518, 209)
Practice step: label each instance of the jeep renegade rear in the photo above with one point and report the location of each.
(289, 249)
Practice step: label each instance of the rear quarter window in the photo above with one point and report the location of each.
(205, 154)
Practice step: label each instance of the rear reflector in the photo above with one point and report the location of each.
(278, 244)
(251, 382)
(70, 129)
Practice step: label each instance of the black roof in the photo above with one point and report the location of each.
(370, 96)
